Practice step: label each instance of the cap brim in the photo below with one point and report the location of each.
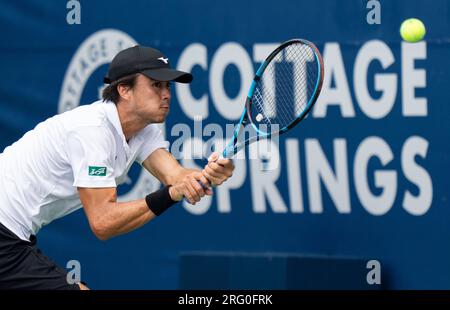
(166, 74)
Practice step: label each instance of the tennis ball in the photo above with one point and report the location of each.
(412, 30)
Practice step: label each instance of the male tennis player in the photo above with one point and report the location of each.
(79, 157)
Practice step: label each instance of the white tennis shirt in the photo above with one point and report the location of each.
(84, 147)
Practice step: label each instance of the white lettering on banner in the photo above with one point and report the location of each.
(340, 94)
(385, 83)
(260, 53)
(262, 50)
(97, 50)
(335, 92)
(265, 193)
(307, 154)
(319, 169)
(416, 205)
(308, 57)
(230, 54)
(263, 181)
(413, 78)
(294, 176)
(194, 54)
(224, 191)
(387, 180)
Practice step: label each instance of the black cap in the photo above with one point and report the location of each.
(146, 60)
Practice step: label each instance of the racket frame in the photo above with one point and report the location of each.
(233, 147)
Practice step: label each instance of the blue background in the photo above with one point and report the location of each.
(37, 46)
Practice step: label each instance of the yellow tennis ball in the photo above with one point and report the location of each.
(412, 30)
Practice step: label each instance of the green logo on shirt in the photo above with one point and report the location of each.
(97, 171)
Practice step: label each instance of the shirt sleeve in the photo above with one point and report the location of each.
(152, 139)
(91, 152)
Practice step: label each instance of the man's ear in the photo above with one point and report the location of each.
(124, 91)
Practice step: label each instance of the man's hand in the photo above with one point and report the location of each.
(218, 170)
(189, 187)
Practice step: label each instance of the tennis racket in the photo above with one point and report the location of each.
(283, 91)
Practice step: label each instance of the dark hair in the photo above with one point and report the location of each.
(110, 93)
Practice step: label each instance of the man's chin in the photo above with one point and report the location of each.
(158, 120)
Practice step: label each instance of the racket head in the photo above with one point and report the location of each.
(285, 87)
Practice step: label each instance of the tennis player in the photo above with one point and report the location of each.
(77, 159)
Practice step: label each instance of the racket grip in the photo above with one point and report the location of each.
(205, 187)
(221, 155)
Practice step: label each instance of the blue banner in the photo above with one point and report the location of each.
(362, 177)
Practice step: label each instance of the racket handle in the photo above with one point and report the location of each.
(205, 187)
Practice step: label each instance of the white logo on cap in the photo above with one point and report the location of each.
(165, 60)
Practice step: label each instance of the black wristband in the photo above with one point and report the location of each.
(159, 201)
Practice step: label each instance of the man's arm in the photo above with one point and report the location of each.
(108, 218)
(163, 166)
(168, 171)
(166, 168)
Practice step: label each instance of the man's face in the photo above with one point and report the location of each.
(151, 99)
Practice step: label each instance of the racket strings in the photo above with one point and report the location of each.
(290, 85)
(300, 58)
(286, 86)
(258, 103)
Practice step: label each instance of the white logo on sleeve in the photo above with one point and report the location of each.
(164, 60)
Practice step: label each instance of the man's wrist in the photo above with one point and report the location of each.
(160, 200)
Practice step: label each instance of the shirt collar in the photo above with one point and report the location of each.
(113, 117)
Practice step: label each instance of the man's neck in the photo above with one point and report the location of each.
(130, 123)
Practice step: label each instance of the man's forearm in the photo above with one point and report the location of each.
(178, 177)
(121, 217)
(164, 167)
